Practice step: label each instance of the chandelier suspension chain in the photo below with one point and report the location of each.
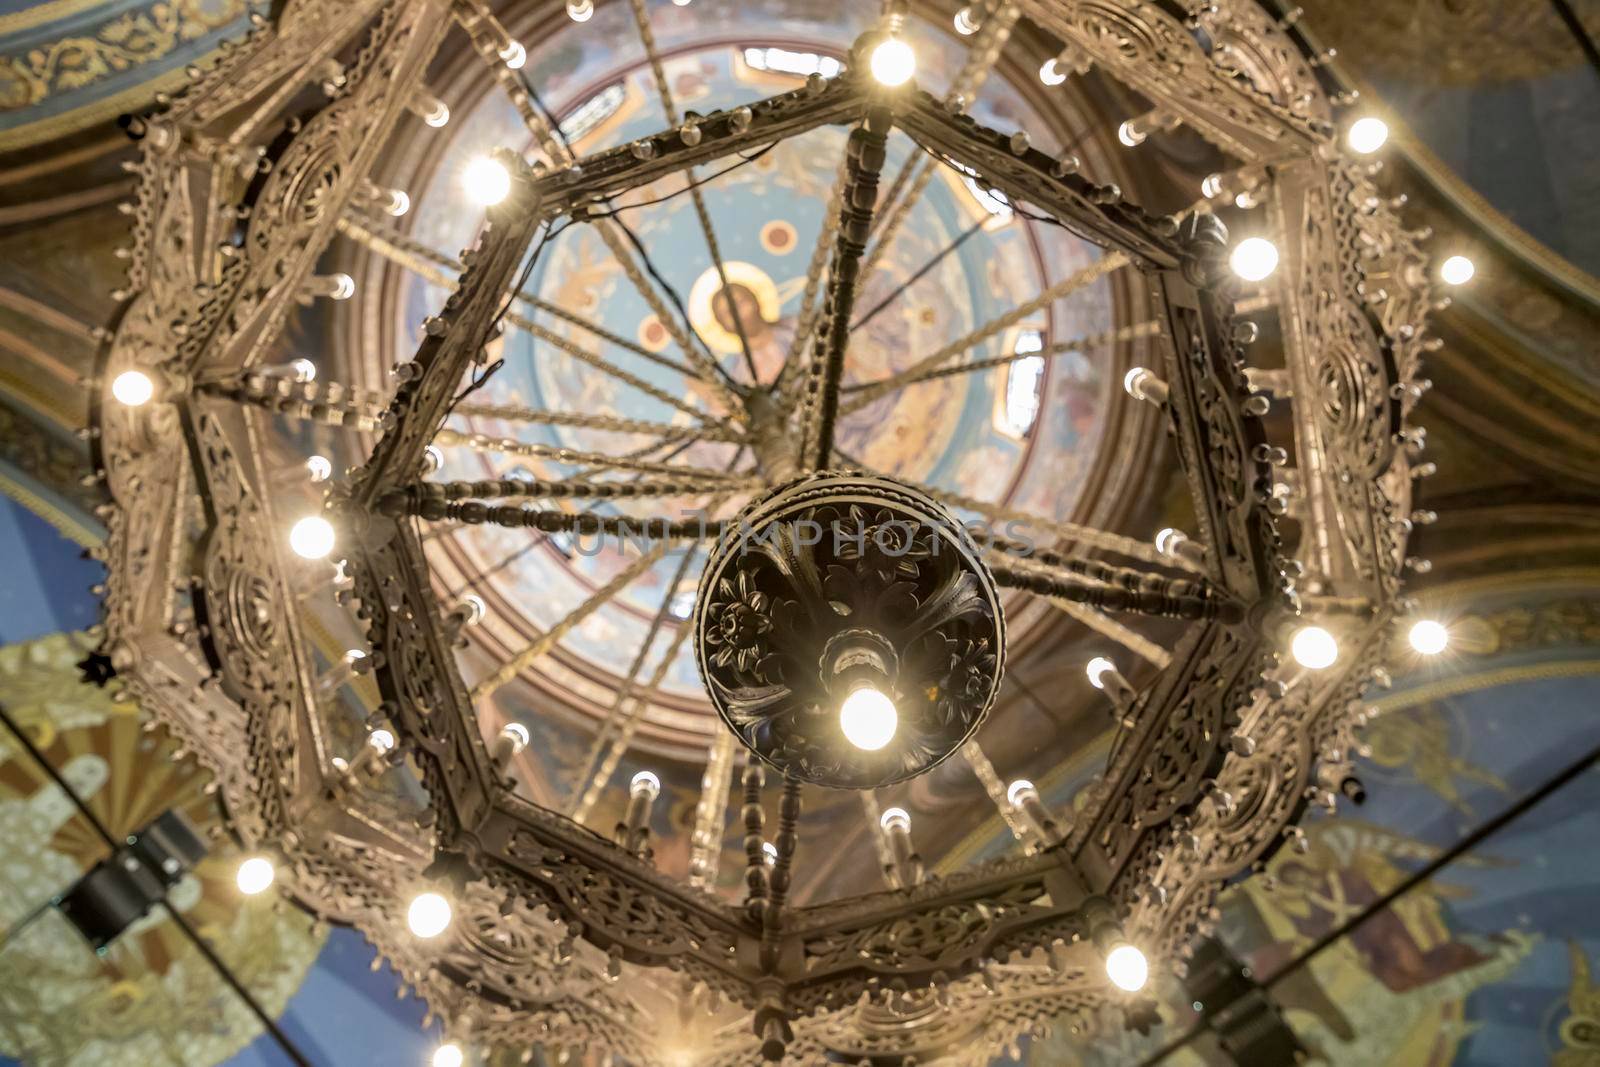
(478, 442)
(513, 488)
(551, 637)
(431, 265)
(867, 392)
(641, 19)
(612, 423)
(583, 523)
(1096, 570)
(555, 148)
(981, 57)
(806, 320)
(1103, 624)
(984, 770)
(994, 513)
(1059, 348)
(593, 781)
(711, 810)
(416, 264)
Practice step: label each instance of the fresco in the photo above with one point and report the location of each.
(66, 65)
(957, 432)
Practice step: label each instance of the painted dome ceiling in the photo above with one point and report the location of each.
(1036, 434)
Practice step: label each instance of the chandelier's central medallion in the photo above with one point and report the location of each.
(848, 631)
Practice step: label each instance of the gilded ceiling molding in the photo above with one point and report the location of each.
(83, 76)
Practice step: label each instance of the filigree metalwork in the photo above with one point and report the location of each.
(242, 185)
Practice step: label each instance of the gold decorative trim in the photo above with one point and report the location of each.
(1466, 683)
(50, 11)
(67, 526)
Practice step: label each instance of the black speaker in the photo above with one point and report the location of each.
(122, 888)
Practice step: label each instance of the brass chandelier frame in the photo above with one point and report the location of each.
(241, 188)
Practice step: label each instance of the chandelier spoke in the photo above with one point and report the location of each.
(641, 19)
(986, 45)
(552, 637)
(1111, 598)
(664, 432)
(478, 442)
(711, 811)
(867, 392)
(602, 747)
(1128, 638)
(435, 267)
(996, 515)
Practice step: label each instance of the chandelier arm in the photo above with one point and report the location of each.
(986, 45)
(1098, 213)
(1134, 331)
(1103, 624)
(997, 515)
(1139, 601)
(781, 873)
(1143, 45)
(326, 402)
(864, 154)
(647, 37)
(868, 392)
(434, 266)
(599, 752)
(666, 432)
(478, 442)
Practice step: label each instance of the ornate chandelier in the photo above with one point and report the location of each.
(849, 627)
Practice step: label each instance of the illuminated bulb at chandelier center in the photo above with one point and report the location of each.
(868, 719)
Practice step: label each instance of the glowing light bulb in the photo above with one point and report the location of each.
(438, 115)
(1167, 541)
(645, 782)
(1457, 270)
(893, 62)
(1130, 135)
(868, 718)
(449, 1054)
(1366, 135)
(580, 10)
(303, 370)
(381, 740)
(255, 875)
(319, 468)
(312, 537)
(1015, 791)
(1254, 258)
(1127, 968)
(518, 734)
(769, 852)
(893, 817)
(1096, 670)
(1314, 648)
(1051, 74)
(966, 25)
(486, 180)
(1429, 637)
(514, 55)
(133, 388)
(428, 915)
